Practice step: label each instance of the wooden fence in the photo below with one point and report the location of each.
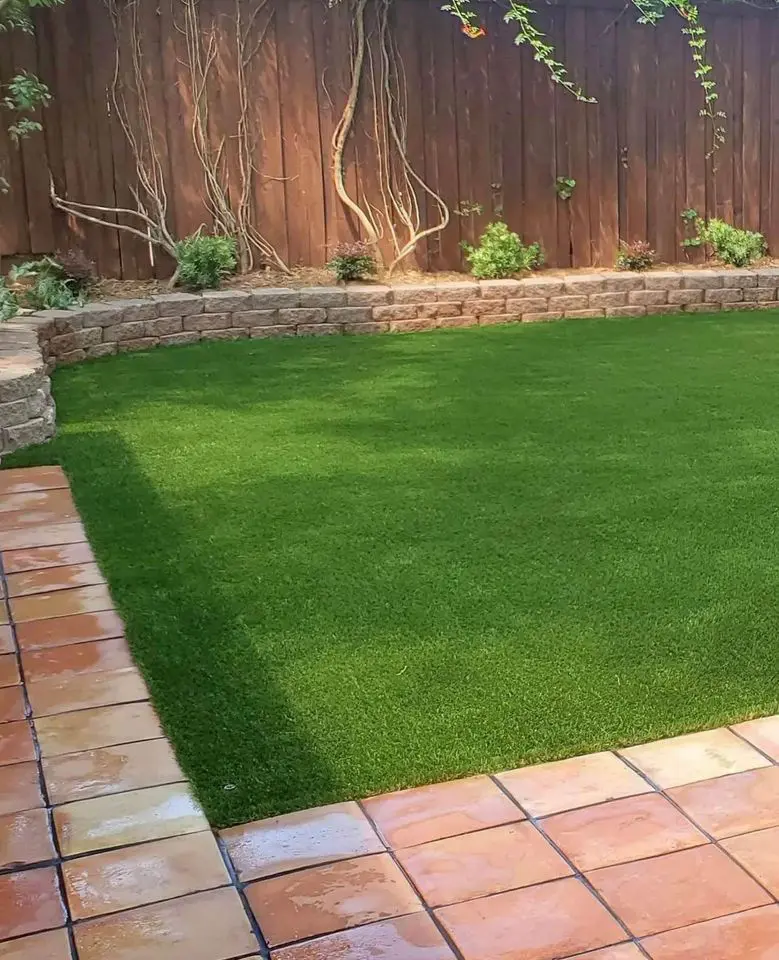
(485, 127)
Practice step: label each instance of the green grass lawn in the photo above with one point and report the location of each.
(349, 565)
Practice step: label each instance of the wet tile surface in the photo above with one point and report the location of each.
(133, 876)
(131, 766)
(731, 805)
(553, 920)
(25, 479)
(759, 854)
(413, 937)
(9, 670)
(67, 693)
(63, 630)
(328, 898)
(676, 890)
(41, 558)
(12, 705)
(25, 838)
(52, 945)
(481, 863)
(567, 784)
(696, 756)
(205, 926)
(54, 578)
(100, 727)
(77, 658)
(621, 830)
(416, 816)
(6, 640)
(743, 936)
(57, 505)
(30, 901)
(267, 847)
(763, 734)
(124, 818)
(61, 603)
(46, 535)
(622, 951)
(20, 788)
(16, 743)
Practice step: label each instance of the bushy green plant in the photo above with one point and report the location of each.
(731, 245)
(204, 260)
(8, 302)
(352, 261)
(501, 253)
(635, 256)
(45, 286)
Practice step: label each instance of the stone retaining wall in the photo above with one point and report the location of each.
(30, 347)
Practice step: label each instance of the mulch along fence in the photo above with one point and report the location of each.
(486, 128)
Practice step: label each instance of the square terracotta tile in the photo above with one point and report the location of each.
(204, 926)
(124, 818)
(40, 558)
(54, 578)
(57, 503)
(16, 744)
(763, 733)
(742, 936)
(544, 922)
(335, 832)
(63, 694)
(621, 830)
(63, 630)
(39, 516)
(12, 705)
(6, 640)
(61, 603)
(123, 879)
(567, 784)
(25, 838)
(48, 535)
(96, 656)
(623, 951)
(9, 670)
(652, 896)
(95, 773)
(24, 479)
(4, 617)
(730, 805)
(442, 810)
(696, 756)
(30, 901)
(759, 854)
(52, 945)
(100, 727)
(481, 863)
(331, 897)
(20, 787)
(414, 937)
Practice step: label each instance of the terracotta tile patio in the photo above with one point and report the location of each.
(667, 850)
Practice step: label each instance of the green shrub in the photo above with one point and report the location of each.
(205, 260)
(352, 261)
(731, 245)
(43, 285)
(8, 304)
(501, 253)
(635, 256)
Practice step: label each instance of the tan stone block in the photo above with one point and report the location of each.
(131, 330)
(566, 303)
(412, 326)
(542, 317)
(685, 296)
(256, 318)
(208, 321)
(179, 339)
(647, 298)
(178, 304)
(374, 326)
(323, 297)
(725, 295)
(701, 279)
(226, 301)
(767, 276)
(539, 287)
(527, 305)
(623, 282)
(433, 310)
(741, 277)
(273, 298)
(367, 295)
(583, 314)
(760, 294)
(466, 321)
(141, 343)
(702, 308)
(490, 319)
(319, 329)
(164, 326)
(611, 299)
(458, 290)
(499, 289)
(231, 333)
(414, 293)
(308, 316)
(349, 315)
(393, 313)
(102, 350)
(478, 308)
(134, 311)
(663, 280)
(626, 312)
(583, 285)
(267, 333)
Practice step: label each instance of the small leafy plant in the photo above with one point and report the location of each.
(564, 187)
(501, 253)
(729, 244)
(352, 261)
(205, 260)
(77, 267)
(43, 285)
(635, 256)
(8, 303)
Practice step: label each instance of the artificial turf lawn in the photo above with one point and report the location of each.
(354, 564)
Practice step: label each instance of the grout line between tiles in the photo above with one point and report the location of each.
(577, 873)
(754, 746)
(426, 907)
(240, 887)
